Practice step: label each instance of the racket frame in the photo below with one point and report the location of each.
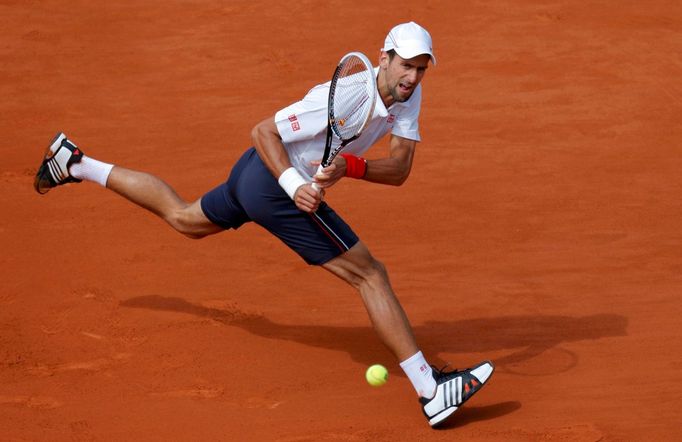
(330, 154)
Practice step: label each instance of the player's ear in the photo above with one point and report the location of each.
(383, 60)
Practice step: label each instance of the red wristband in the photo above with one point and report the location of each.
(356, 167)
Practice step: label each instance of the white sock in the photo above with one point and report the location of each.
(90, 169)
(419, 373)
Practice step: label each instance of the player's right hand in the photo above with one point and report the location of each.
(307, 198)
(331, 174)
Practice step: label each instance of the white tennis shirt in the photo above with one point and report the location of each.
(303, 126)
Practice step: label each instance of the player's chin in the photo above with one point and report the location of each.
(403, 94)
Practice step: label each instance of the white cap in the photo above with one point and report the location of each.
(409, 40)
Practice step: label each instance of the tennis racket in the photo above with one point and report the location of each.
(352, 95)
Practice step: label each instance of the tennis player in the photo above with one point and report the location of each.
(272, 185)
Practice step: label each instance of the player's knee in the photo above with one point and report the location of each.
(378, 268)
(183, 224)
(374, 273)
(359, 268)
(194, 235)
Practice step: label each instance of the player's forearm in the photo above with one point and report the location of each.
(271, 150)
(269, 146)
(392, 171)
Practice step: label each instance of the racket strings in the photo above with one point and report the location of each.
(352, 98)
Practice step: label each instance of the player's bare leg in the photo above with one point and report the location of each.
(64, 163)
(158, 197)
(440, 393)
(369, 276)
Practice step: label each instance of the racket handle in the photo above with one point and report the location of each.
(319, 170)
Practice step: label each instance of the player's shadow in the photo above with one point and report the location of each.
(526, 339)
(532, 341)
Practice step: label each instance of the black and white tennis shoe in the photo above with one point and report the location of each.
(453, 389)
(54, 170)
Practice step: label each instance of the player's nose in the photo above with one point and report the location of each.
(412, 76)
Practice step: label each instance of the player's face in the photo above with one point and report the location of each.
(401, 77)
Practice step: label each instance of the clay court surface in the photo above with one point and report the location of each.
(540, 227)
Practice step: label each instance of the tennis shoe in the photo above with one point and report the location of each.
(54, 170)
(453, 389)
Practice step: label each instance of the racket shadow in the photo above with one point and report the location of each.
(525, 337)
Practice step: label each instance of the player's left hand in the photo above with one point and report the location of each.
(331, 174)
(307, 198)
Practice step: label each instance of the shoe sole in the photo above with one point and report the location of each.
(49, 153)
(437, 419)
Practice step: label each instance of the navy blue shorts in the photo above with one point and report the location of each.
(251, 193)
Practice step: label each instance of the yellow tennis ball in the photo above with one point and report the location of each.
(376, 375)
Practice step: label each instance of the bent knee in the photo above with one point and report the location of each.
(372, 274)
(376, 270)
(358, 267)
(186, 222)
(191, 235)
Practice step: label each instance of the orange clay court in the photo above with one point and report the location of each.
(540, 228)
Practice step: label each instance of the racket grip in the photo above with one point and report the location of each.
(319, 170)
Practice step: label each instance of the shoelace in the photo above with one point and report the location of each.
(440, 372)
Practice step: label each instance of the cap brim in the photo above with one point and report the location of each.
(408, 53)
